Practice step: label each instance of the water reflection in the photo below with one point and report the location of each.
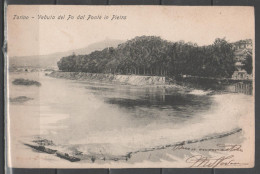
(151, 102)
(160, 101)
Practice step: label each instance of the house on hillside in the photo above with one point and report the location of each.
(242, 49)
(240, 55)
(243, 44)
(241, 74)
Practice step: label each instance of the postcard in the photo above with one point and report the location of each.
(130, 87)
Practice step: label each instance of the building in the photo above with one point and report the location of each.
(241, 75)
(242, 48)
(243, 44)
(240, 55)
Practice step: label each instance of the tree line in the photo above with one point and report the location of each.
(151, 55)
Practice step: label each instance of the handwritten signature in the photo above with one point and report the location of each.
(220, 147)
(203, 161)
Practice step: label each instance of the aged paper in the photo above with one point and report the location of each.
(130, 86)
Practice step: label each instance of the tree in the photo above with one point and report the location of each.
(151, 55)
(248, 64)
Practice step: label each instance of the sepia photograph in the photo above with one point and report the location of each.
(130, 87)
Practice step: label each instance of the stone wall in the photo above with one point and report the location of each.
(122, 79)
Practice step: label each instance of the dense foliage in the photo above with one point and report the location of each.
(150, 55)
(248, 64)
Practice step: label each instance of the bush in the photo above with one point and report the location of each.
(26, 82)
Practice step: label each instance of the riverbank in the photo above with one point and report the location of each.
(204, 85)
(203, 145)
(121, 79)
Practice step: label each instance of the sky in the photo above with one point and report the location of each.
(200, 25)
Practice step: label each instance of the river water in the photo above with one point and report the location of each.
(109, 119)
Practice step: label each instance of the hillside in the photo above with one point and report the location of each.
(50, 60)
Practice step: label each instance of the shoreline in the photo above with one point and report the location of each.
(193, 85)
(131, 155)
(111, 78)
(165, 79)
(80, 77)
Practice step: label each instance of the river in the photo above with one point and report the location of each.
(109, 119)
